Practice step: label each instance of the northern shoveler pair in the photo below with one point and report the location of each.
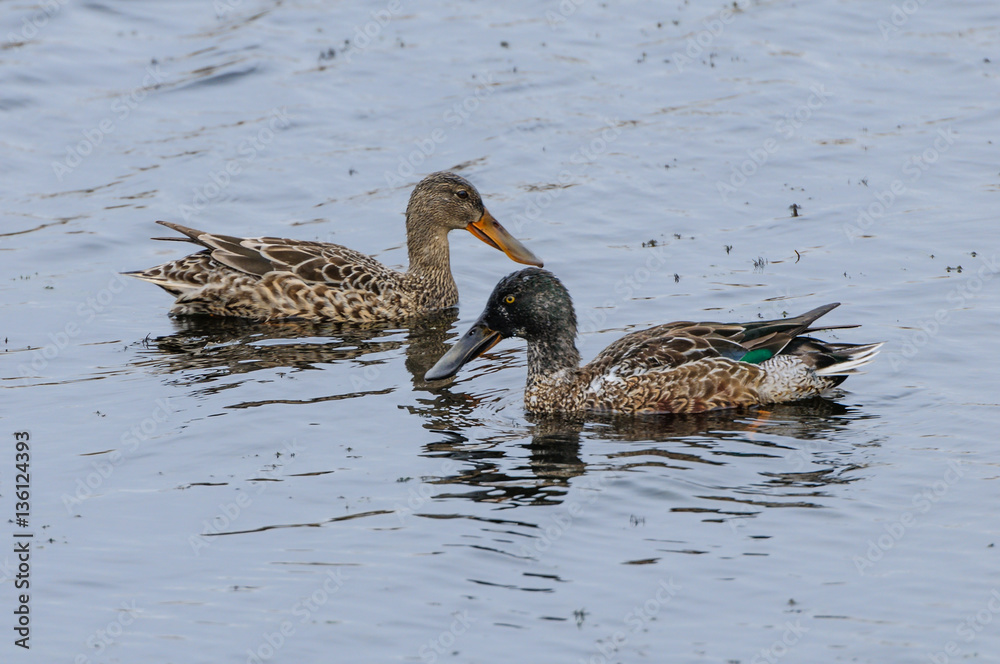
(679, 367)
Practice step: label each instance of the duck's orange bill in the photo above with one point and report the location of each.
(492, 233)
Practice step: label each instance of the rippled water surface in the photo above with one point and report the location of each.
(230, 492)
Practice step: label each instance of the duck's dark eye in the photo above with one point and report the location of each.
(462, 193)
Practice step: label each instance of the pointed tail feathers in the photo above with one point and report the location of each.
(850, 358)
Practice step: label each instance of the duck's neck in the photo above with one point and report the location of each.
(552, 364)
(430, 260)
(552, 357)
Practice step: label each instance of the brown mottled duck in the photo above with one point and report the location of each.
(270, 278)
(682, 367)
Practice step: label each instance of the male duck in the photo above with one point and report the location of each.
(271, 278)
(679, 367)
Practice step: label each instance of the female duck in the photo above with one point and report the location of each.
(271, 278)
(679, 367)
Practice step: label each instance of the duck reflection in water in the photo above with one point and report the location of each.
(788, 441)
(207, 349)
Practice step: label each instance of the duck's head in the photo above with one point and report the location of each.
(531, 304)
(450, 201)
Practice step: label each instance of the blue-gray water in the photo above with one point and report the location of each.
(241, 493)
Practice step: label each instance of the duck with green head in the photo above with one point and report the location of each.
(682, 367)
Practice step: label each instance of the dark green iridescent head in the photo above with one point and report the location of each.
(531, 304)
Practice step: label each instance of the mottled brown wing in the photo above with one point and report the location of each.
(332, 264)
(675, 344)
(313, 262)
(687, 367)
(664, 347)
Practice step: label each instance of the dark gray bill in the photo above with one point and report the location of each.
(473, 343)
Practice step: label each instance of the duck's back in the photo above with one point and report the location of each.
(672, 368)
(276, 278)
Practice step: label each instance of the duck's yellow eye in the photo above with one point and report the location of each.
(509, 299)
